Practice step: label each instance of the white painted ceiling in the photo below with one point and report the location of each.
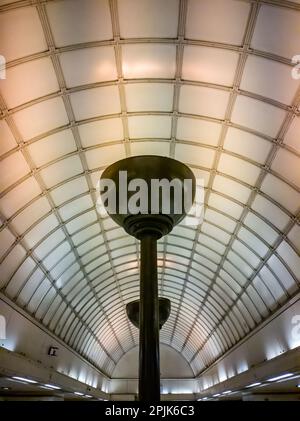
(207, 82)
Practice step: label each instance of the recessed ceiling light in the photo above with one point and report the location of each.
(283, 376)
(22, 379)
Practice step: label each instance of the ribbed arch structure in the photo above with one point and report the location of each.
(206, 82)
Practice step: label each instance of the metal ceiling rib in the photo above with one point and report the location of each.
(218, 295)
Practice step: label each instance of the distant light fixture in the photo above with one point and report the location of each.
(51, 386)
(216, 395)
(283, 376)
(254, 384)
(298, 385)
(79, 393)
(226, 392)
(88, 396)
(22, 379)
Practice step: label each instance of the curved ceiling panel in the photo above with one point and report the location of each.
(88, 83)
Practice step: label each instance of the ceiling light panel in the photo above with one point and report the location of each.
(13, 168)
(150, 148)
(194, 155)
(281, 192)
(144, 19)
(95, 102)
(21, 33)
(17, 197)
(75, 22)
(40, 118)
(216, 20)
(198, 130)
(293, 134)
(238, 168)
(7, 140)
(18, 88)
(287, 165)
(232, 188)
(247, 144)
(285, 28)
(257, 115)
(97, 132)
(270, 79)
(211, 65)
(61, 171)
(96, 65)
(203, 101)
(52, 147)
(104, 156)
(148, 61)
(149, 127)
(149, 96)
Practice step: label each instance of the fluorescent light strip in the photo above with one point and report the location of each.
(226, 392)
(51, 386)
(254, 384)
(216, 395)
(283, 376)
(22, 379)
(79, 393)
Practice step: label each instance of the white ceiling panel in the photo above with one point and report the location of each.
(292, 138)
(287, 164)
(101, 131)
(257, 115)
(225, 205)
(281, 193)
(18, 88)
(270, 211)
(16, 198)
(217, 20)
(211, 65)
(95, 102)
(284, 24)
(52, 147)
(232, 188)
(238, 168)
(7, 140)
(148, 19)
(40, 118)
(68, 190)
(12, 169)
(247, 144)
(97, 65)
(270, 79)
(150, 148)
(31, 214)
(197, 130)
(149, 97)
(149, 127)
(148, 61)
(61, 171)
(104, 156)
(203, 101)
(74, 21)
(21, 33)
(194, 155)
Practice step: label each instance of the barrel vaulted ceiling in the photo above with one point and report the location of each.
(208, 82)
